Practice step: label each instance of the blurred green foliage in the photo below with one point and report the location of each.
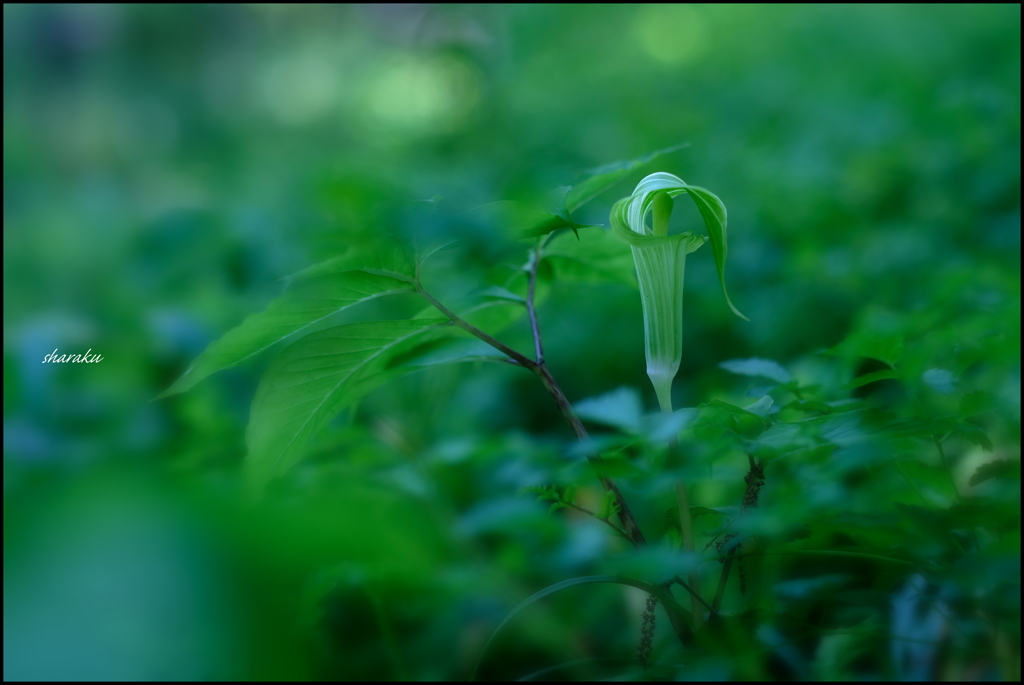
(165, 167)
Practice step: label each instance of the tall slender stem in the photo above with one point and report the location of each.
(685, 522)
(677, 579)
(625, 515)
(686, 526)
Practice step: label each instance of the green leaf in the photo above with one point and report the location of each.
(311, 296)
(672, 513)
(715, 219)
(569, 494)
(931, 481)
(620, 408)
(833, 407)
(862, 425)
(423, 254)
(872, 377)
(784, 439)
(597, 257)
(442, 351)
(500, 293)
(744, 422)
(765, 368)
(311, 381)
(616, 467)
(762, 407)
(607, 175)
(732, 408)
(883, 346)
(609, 505)
(981, 511)
(940, 380)
(660, 427)
(1001, 468)
(975, 435)
(380, 257)
(681, 619)
(976, 402)
(492, 315)
(526, 220)
(519, 220)
(542, 492)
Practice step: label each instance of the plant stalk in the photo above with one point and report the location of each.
(629, 524)
(686, 525)
(685, 522)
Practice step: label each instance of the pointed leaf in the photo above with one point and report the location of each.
(765, 368)
(715, 219)
(597, 257)
(500, 293)
(740, 410)
(607, 175)
(312, 295)
(620, 408)
(1001, 468)
(885, 346)
(661, 427)
(882, 375)
(422, 255)
(521, 220)
(975, 435)
(451, 351)
(762, 407)
(381, 257)
(976, 402)
(311, 381)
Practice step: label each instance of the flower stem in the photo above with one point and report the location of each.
(685, 522)
(686, 525)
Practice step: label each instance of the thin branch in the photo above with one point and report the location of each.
(686, 587)
(629, 525)
(473, 330)
(686, 528)
(628, 522)
(590, 513)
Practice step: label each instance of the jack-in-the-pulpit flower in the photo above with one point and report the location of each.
(661, 263)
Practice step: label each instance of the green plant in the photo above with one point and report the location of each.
(796, 436)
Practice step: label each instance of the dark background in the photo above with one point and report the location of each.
(165, 167)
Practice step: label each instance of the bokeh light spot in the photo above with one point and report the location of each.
(424, 95)
(671, 34)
